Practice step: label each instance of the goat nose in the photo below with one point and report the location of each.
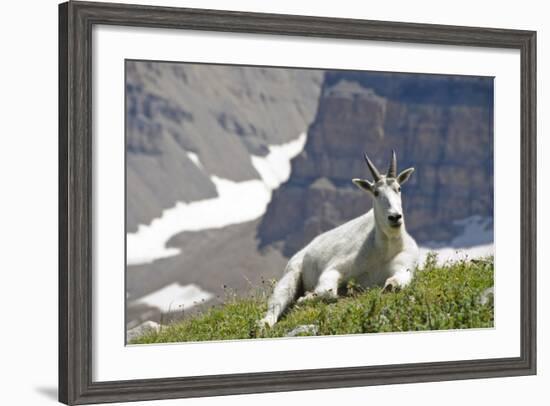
(395, 217)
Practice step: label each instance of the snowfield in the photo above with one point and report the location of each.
(175, 297)
(475, 241)
(237, 202)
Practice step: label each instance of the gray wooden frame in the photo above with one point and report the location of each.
(76, 20)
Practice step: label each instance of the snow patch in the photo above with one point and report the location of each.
(194, 158)
(476, 230)
(448, 254)
(237, 202)
(475, 241)
(175, 297)
(274, 168)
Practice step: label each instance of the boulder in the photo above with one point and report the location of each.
(143, 328)
(304, 329)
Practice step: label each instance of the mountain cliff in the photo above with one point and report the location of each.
(441, 125)
(188, 122)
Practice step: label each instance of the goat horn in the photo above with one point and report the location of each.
(374, 171)
(392, 170)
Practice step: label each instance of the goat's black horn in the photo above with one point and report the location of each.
(392, 170)
(374, 171)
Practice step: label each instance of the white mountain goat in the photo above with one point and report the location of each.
(373, 249)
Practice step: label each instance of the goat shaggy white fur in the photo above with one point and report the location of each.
(373, 249)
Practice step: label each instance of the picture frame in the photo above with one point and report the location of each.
(76, 256)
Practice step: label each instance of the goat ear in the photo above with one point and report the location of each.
(404, 175)
(363, 184)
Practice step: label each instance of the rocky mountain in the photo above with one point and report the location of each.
(441, 125)
(188, 122)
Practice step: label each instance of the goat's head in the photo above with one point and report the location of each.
(386, 193)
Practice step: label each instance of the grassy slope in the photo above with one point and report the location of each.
(438, 298)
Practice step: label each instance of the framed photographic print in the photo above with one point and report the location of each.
(258, 202)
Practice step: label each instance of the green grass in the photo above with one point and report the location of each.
(438, 298)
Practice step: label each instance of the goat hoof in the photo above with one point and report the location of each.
(307, 296)
(390, 286)
(265, 323)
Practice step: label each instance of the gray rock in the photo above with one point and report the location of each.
(309, 329)
(143, 328)
(487, 296)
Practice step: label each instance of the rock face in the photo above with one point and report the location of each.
(441, 125)
(487, 296)
(143, 328)
(303, 330)
(187, 122)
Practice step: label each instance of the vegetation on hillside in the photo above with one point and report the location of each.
(440, 297)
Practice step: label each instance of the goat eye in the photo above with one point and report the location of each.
(376, 193)
(399, 189)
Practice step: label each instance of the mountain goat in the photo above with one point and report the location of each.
(373, 249)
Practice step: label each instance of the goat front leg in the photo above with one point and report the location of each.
(402, 271)
(327, 287)
(398, 281)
